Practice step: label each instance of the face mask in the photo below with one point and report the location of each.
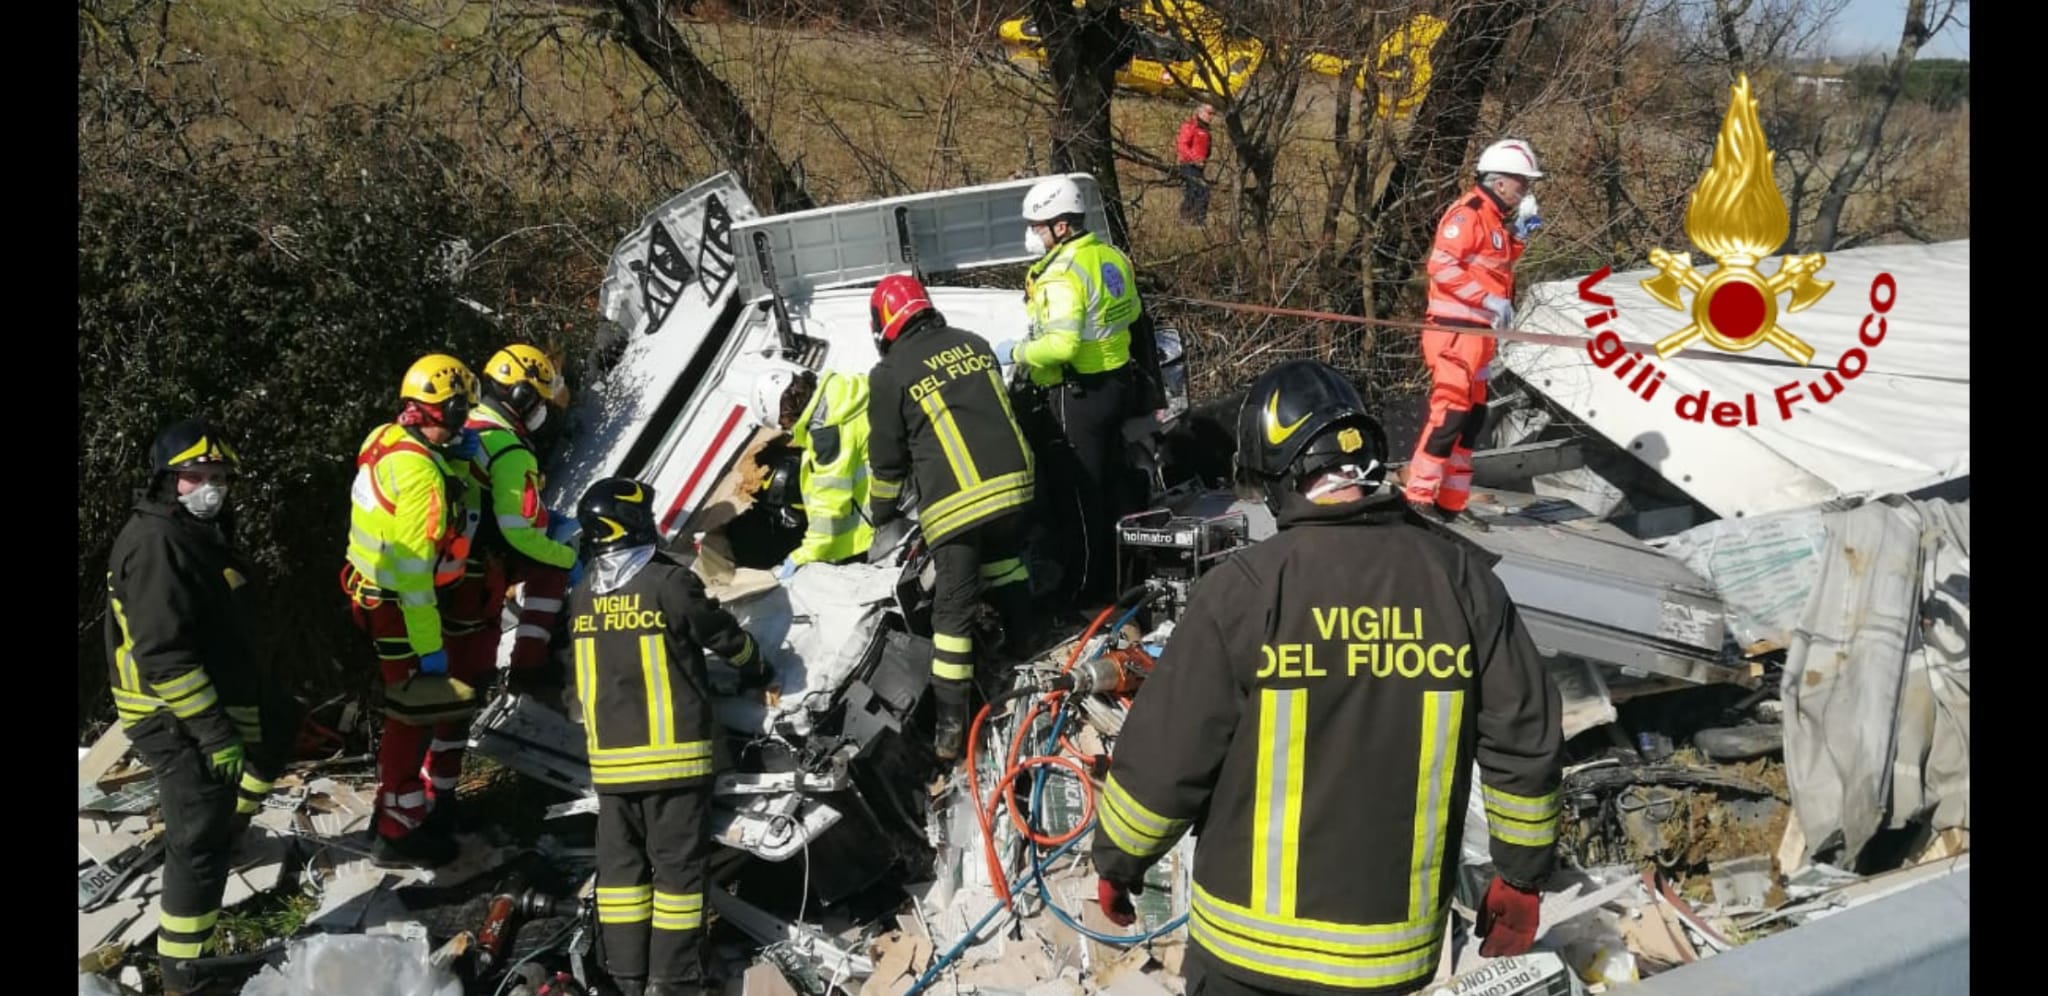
(205, 501)
(1527, 209)
(1032, 243)
(537, 419)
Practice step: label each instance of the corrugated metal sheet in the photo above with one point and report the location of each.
(1900, 425)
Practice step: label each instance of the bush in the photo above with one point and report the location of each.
(282, 292)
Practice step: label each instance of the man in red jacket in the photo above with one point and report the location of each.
(1471, 285)
(1192, 150)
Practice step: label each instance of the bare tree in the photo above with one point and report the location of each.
(1917, 30)
(1084, 47)
(716, 111)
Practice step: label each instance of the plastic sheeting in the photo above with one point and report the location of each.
(1877, 677)
(815, 629)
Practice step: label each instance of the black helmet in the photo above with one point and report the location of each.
(617, 512)
(193, 442)
(1300, 419)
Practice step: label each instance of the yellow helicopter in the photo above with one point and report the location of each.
(1173, 36)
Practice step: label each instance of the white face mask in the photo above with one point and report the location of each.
(205, 501)
(537, 419)
(1032, 243)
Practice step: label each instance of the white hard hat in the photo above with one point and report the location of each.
(1052, 197)
(1512, 156)
(769, 389)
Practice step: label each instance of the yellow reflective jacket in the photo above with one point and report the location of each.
(833, 434)
(1082, 298)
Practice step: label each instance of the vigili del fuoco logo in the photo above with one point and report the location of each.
(1737, 217)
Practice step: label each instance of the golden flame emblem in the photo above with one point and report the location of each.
(1736, 216)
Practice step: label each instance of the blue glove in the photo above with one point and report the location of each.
(563, 528)
(1503, 311)
(1006, 351)
(576, 572)
(465, 445)
(434, 663)
(1526, 227)
(788, 568)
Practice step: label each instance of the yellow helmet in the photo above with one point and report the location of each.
(435, 380)
(523, 373)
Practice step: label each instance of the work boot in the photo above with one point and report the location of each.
(418, 849)
(622, 987)
(182, 978)
(442, 818)
(949, 738)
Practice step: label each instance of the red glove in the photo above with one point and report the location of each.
(1507, 919)
(1115, 901)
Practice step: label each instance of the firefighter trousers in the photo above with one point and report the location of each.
(1440, 472)
(985, 555)
(653, 849)
(1088, 485)
(198, 814)
(1202, 974)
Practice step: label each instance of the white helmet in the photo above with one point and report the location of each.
(769, 389)
(1052, 197)
(1512, 156)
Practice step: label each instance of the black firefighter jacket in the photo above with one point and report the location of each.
(638, 658)
(937, 409)
(178, 628)
(1315, 720)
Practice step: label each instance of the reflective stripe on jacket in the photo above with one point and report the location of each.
(833, 434)
(1082, 298)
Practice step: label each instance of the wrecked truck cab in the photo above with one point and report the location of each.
(709, 294)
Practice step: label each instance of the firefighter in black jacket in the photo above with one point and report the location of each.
(185, 678)
(639, 624)
(1315, 721)
(939, 417)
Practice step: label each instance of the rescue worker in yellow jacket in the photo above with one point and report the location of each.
(1082, 298)
(412, 521)
(517, 544)
(186, 679)
(827, 420)
(639, 626)
(1319, 715)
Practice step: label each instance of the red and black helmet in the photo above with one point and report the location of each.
(898, 302)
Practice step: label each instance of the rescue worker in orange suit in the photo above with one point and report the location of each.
(519, 544)
(939, 416)
(413, 516)
(186, 679)
(1319, 714)
(639, 625)
(1471, 285)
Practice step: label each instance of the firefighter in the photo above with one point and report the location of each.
(1321, 711)
(518, 545)
(413, 517)
(827, 419)
(1471, 285)
(942, 421)
(185, 678)
(639, 624)
(1082, 300)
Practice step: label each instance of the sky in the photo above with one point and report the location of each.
(1874, 24)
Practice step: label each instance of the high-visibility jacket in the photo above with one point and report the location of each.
(638, 653)
(518, 517)
(832, 432)
(1474, 256)
(1082, 298)
(1315, 721)
(413, 515)
(940, 413)
(178, 638)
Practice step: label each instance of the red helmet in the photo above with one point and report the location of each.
(897, 301)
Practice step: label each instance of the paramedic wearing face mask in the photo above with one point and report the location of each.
(186, 678)
(1082, 299)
